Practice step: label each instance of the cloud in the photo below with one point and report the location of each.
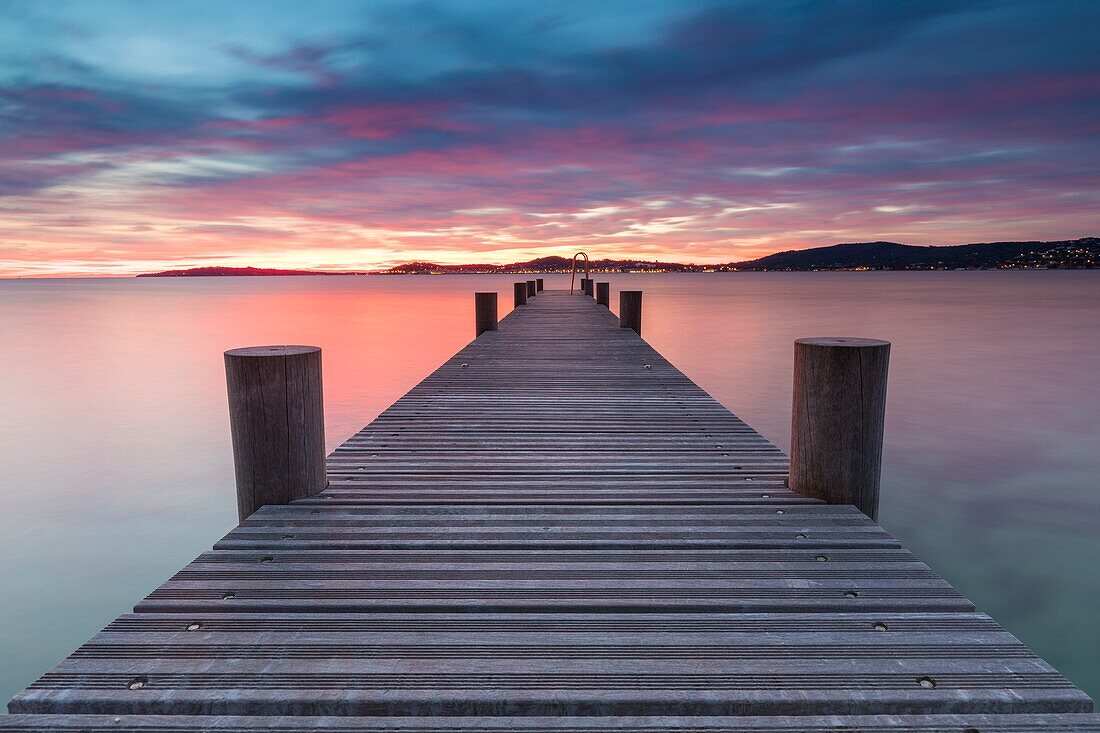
(475, 128)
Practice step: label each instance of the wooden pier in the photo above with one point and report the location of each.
(555, 525)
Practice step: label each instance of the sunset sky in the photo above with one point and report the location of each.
(138, 136)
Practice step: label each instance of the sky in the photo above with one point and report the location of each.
(147, 135)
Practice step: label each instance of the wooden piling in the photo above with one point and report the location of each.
(588, 284)
(603, 294)
(630, 310)
(538, 284)
(837, 420)
(531, 289)
(485, 313)
(520, 290)
(277, 422)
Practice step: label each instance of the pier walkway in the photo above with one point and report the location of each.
(556, 524)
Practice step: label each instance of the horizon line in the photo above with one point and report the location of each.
(283, 271)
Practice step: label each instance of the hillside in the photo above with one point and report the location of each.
(236, 272)
(1076, 253)
(542, 264)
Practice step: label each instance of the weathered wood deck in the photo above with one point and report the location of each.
(556, 524)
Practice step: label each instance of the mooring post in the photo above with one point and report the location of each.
(530, 288)
(588, 283)
(277, 420)
(538, 284)
(520, 290)
(603, 294)
(837, 420)
(630, 310)
(584, 284)
(485, 313)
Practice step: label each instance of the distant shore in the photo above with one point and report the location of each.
(1070, 254)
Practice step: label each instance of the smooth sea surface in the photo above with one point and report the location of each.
(115, 464)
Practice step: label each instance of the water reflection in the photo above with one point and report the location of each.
(115, 466)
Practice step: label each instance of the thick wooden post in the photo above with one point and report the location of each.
(520, 290)
(630, 310)
(538, 284)
(584, 280)
(531, 289)
(485, 313)
(603, 294)
(837, 420)
(276, 417)
(588, 283)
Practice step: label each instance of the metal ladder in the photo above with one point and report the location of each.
(573, 275)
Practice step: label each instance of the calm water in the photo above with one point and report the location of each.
(115, 467)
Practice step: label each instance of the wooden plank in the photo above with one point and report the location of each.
(1028, 723)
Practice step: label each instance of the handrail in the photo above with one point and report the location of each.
(574, 273)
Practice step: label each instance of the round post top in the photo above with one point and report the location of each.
(843, 342)
(274, 350)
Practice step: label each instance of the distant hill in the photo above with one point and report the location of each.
(541, 264)
(1066, 254)
(1075, 253)
(237, 272)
